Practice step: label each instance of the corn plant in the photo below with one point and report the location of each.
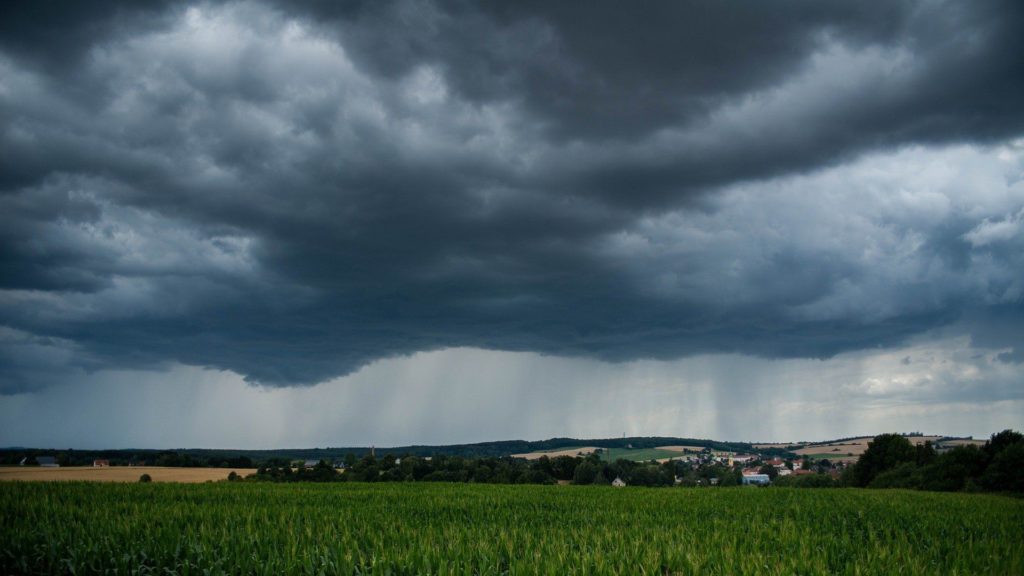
(377, 529)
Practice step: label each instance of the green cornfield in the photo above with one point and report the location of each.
(250, 528)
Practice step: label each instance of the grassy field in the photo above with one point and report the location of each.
(118, 473)
(639, 454)
(572, 451)
(247, 528)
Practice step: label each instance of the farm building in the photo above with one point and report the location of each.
(47, 461)
(310, 463)
(618, 482)
(100, 463)
(756, 479)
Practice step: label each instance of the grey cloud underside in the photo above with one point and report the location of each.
(611, 77)
(292, 190)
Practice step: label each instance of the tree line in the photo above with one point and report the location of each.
(223, 458)
(891, 461)
(589, 469)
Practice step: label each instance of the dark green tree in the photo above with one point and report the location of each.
(1000, 442)
(924, 453)
(905, 475)
(585, 473)
(1006, 470)
(951, 471)
(885, 452)
(563, 467)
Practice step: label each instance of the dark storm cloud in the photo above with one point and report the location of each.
(292, 190)
(608, 75)
(58, 34)
(604, 71)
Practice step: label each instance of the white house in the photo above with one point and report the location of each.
(756, 479)
(618, 482)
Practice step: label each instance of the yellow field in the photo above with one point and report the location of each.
(119, 473)
(855, 446)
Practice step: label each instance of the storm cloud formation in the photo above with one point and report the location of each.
(291, 190)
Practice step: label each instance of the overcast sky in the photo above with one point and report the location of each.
(268, 224)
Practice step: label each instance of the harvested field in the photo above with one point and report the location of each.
(119, 473)
(850, 450)
(838, 449)
(854, 446)
(584, 450)
(680, 448)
